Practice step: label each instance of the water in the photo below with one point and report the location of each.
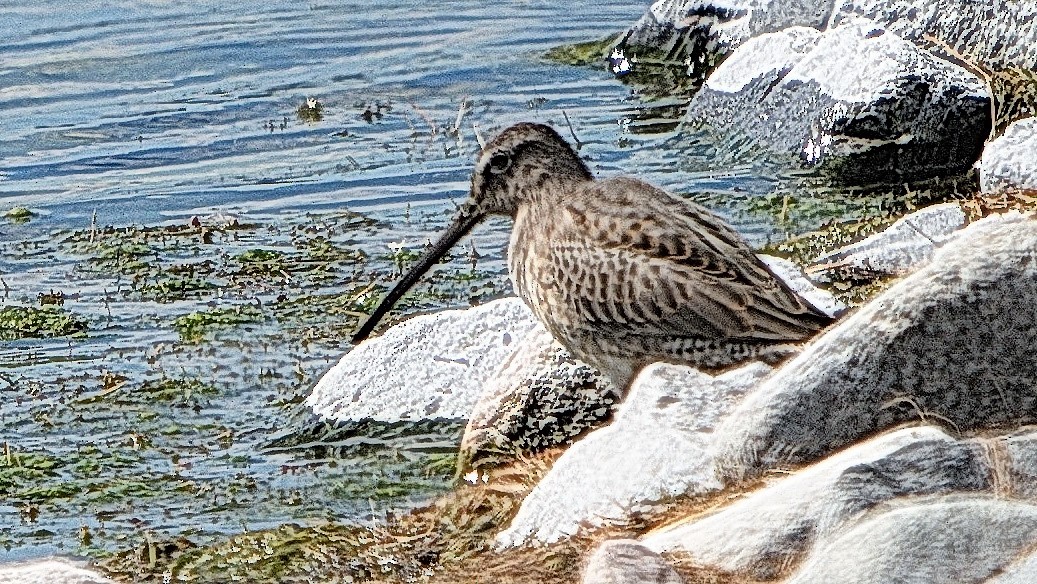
(153, 112)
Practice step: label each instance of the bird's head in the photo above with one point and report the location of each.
(516, 167)
(518, 164)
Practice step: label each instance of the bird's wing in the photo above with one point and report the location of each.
(632, 257)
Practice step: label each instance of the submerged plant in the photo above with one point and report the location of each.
(21, 322)
(19, 215)
(196, 326)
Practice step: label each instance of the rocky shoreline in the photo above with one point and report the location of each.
(898, 446)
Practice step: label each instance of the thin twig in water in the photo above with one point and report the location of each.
(478, 136)
(461, 111)
(571, 131)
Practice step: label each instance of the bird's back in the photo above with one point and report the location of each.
(620, 266)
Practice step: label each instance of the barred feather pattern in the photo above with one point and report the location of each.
(623, 274)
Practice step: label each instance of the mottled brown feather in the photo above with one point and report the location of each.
(687, 273)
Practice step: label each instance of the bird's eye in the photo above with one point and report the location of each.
(500, 162)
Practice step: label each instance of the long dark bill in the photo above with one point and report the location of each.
(467, 218)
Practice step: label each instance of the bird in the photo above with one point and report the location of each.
(620, 272)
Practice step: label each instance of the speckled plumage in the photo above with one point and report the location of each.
(623, 273)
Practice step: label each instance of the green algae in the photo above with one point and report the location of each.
(22, 322)
(169, 389)
(19, 215)
(196, 326)
(583, 54)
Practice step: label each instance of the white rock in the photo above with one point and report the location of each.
(952, 342)
(1010, 161)
(764, 54)
(993, 34)
(49, 571)
(540, 397)
(770, 529)
(653, 450)
(860, 102)
(625, 561)
(941, 542)
(901, 247)
(431, 366)
(791, 274)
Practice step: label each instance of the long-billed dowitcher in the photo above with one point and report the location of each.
(620, 272)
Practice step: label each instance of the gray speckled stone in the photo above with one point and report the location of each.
(898, 249)
(697, 34)
(858, 102)
(967, 539)
(431, 366)
(1010, 161)
(540, 397)
(952, 343)
(770, 529)
(653, 450)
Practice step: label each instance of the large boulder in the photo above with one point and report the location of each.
(432, 366)
(653, 450)
(1022, 571)
(696, 34)
(952, 343)
(968, 539)
(762, 534)
(1010, 161)
(858, 102)
(994, 34)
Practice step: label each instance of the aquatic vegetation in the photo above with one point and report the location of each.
(169, 389)
(20, 469)
(312, 110)
(19, 215)
(589, 53)
(21, 322)
(195, 326)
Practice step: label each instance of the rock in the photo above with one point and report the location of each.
(653, 450)
(1023, 571)
(1010, 161)
(431, 366)
(995, 34)
(793, 276)
(770, 529)
(625, 561)
(857, 102)
(697, 34)
(951, 343)
(50, 571)
(966, 539)
(898, 249)
(540, 397)
(688, 36)
(694, 35)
